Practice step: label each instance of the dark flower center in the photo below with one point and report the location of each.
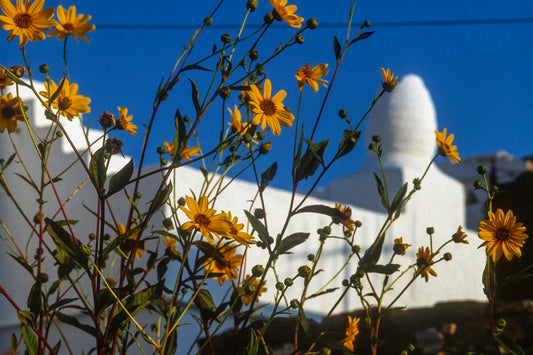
(202, 220)
(502, 234)
(268, 107)
(68, 27)
(23, 20)
(63, 103)
(8, 112)
(233, 231)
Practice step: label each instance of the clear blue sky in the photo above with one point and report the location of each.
(479, 75)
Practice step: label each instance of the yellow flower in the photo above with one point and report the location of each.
(71, 24)
(252, 284)
(502, 235)
(170, 243)
(268, 110)
(68, 103)
(187, 153)
(399, 246)
(10, 112)
(124, 121)
(460, 236)
(446, 149)
(204, 219)
(224, 267)
(311, 76)
(423, 261)
(235, 232)
(5, 80)
(351, 332)
(131, 241)
(28, 21)
(389, 81)
(285, 12)
(347, 222)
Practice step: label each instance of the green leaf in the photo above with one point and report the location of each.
(205, 300)
(312, 159)
(382, 269)
(5, 164)
(348, 142)
(14, 343)
(97, 169)
(398, 198)
(195, 67)
(26, 317)
(104, 298)
(65, 241)
(30, 340)
(334, 213)
(267, 176)
(172, 343)
(326, 291)
(195, 97)
(73, 321)
(34, 301)
(508, 344)
(258, 227)
(291, 241)
(336, 47)
(22, 262)
(120, 179)
(119, 240)
(62, 302)
(179, 136)
(302, 319)
(159, 200)
(489, 279)
(56, 94)
(373, 253)
(381, 191)
(363, 35)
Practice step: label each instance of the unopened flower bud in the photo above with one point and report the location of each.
(312, 23)
(358, 224)
(181, 201)
(495, 189)
(59, 134)
(44, 68)
(482, 169)
(294, 303)
(164, 161)
(167, 223)
(376, 138)
(417, 184)
(304, 271)
(161, 150)
(42, 277)
(259, 213)
(280, 286)
(447, 256)
(258, 270)
(260, 135)
(366, 24)
(251, 5)
(345, 282)
(356, 248)
(225, 38)
(478, 184)
(265, 148)
(343, 113)
(254, 55)
(208, 21)
(288, 282)
(259, 69)
(300, 39)
(186, 118)
(269, 18)
(224, 92)
(310, 257)
(430, 230)
(371, 146)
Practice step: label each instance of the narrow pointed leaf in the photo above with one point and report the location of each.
(398, 199)
(361, 36)
(348, 142)
(121, 178)
(97, 169)
(291, 241)
(73, 321)
(30, 340)
(160, 199)
(267, 176)
(195, 96)
(258, 226)
(336, 47)
(381, 191)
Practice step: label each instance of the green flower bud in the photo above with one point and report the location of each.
(376, 138)
(167, 223)
(59, 134)
(310, 257)
(42, 277)
(304, 271)
(358, 223)
(280, 286)
(259, 213)
(186, 118)
(161, 150)
(260, 135)
(181, 201)
(345, 282)
(356, 248)
(294, 303)
(371, 146)
(225, 38)
(164, 161)
(478, 184)
(43, 68)
(254, 55)
(258, 270)
(288, 282)
(247, 138)
(208, 21)
(137, 196)
(417, 184)
(447, 256)
(269, 18)
(482, 169)
(366, 24)
(260, 69)
(343, 113)
(224, 92)
(495, 189)
(92, 236)
(430, 230)
(251, 5)
(265, 148)
(312, 23)
(300, 39)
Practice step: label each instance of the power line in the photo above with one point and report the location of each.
(432, 23)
